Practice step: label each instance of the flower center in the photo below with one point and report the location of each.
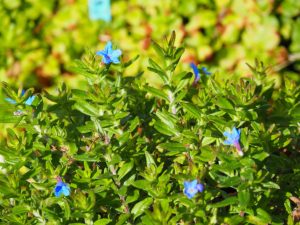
(192, 190)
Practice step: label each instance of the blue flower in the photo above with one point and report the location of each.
(233, 138)
(27, 102)
(61, 188)
(197, 72)
(10, 101)
(109, 55)
(205, 71)
(192, 188)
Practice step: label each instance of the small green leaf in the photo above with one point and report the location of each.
(85, 157)
(224, 103)
(262, 214)
(141, 206)
(192, 109)
(244, 198)
(128, 63)
(173, 148)
(164, 129)
(20, 209)
(157, 93)
(271, 184)
(125, 169)
(102, 222)
(149, 159)
(228, 201)
(86, 108)
(159, 50)
(123, 218)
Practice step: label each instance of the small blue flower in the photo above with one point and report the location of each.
(233, 138)
(61, 188)
(205, 71)
(27, 102)
(192, 188)
(197, 72)
(109, 55)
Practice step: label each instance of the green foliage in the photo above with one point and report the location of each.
(39, 41)
(126, 147)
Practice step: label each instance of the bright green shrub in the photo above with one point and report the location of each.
(125, 148)
(38, 40)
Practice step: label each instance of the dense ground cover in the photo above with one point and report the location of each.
(204, 148)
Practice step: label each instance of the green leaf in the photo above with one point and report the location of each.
(173, 148)
(228, 201)
(131, 61)
(125, 169)
(87, 128)
(102, 222)
(244, 198)
(133, 124)
(271, 184)
(160, 73)
(165, 129)
(192, 109)
(86, 108)
(86, 157)
(149, 159)
(8, 117)
(159, 50)
(141, 206)
(167, 118)
(155, 65)
(133, 198)
(20, 209)
(141, 184)
(263, 215)
(172, 39)
(207, 141)
(123, 218)
(157, 93)
(224, 103)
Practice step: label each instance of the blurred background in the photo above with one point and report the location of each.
(39, 40)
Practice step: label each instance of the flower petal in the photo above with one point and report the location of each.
(116, 53)
(108, 48)
(200, 187)
(101, 53)
(66, 190)
(194, 183)
(10, 100)
(227, 134)
(30, 100)
(115, 60)
(196, 72)
(228, 142)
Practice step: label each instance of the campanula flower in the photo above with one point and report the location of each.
(192, 188)
(27, 102)
(61, 188)
(109, 55)
(197, 72)
(233, 138)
